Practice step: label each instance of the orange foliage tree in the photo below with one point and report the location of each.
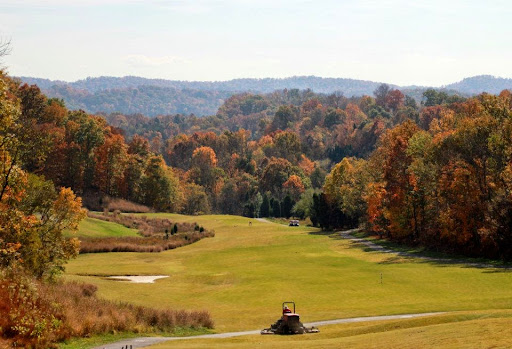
(294, 187)
(111, 160)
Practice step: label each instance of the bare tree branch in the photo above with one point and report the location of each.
(5, 47)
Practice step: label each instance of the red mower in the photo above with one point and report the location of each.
(289, 323)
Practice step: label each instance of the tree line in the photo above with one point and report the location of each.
(443, 182)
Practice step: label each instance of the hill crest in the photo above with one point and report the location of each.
(133, 94)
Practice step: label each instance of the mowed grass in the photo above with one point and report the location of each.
(461, 330)
(96, 228)
(245, 272)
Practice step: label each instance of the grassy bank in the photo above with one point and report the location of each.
(95, 228)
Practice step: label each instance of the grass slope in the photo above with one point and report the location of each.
(96, 228)
(243, 274)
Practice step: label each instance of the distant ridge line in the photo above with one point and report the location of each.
(164, 97)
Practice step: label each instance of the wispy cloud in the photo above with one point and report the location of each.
(177, 6)
(185, 6)
(153, 61)
(48, 3)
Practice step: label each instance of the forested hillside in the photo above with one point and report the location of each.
(147, 100)
(269, 154)
(153, 97)
(431, 174)
(482, 83)
(442, 181)
(322, 85)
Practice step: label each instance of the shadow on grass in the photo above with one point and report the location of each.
(335, 235)
(443, 260)
(406, 254)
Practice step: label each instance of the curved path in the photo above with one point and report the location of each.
(146, 341)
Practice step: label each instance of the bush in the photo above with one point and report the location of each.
(28, 319)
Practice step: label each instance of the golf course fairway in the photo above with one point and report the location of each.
(244, 273)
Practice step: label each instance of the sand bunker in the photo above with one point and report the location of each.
(139, 279)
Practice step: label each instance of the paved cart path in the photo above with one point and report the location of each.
(146, 341)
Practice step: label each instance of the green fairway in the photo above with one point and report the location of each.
(244, 273)
(92, 227)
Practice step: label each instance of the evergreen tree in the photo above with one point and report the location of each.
(287, 206)
(276, 208)
(249, 210)
(265, 207)
(320, 213)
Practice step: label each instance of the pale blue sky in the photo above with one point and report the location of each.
(397, 41)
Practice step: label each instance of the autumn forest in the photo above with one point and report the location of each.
(434, 172)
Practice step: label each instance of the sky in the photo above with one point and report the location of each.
(403, 42)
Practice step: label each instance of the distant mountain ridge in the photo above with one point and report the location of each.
(147, 100)
(481, 83)
(321, 85)
(132, 94)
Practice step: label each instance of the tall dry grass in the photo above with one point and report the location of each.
(157, 234)
(37, 315)
(116, 204)
(139, 244)
(146, 226)
(86, 314)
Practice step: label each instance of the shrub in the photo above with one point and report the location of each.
(28, 319)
